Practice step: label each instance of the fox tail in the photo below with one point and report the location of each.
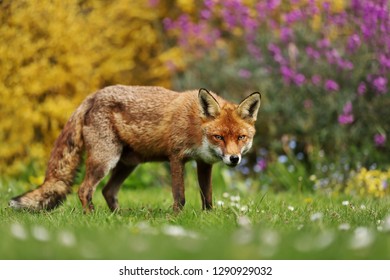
(63, 163)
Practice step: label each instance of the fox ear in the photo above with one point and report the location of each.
(249, 107)
(208, 104)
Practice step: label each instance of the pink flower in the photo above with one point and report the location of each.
(244, 73)
(205, 14)
(312, 53)
(345, 64)
(362, 88)
(346, 117)
(154, 3)
(323, 44)
(316, 80)
(347, 108)
(384, 61)
(273, 4)
(380, 84)
(379, 139)
(261, 165)
(286, 34)
(287, 73)
(353, 43)
(299, 79)
(331, 85)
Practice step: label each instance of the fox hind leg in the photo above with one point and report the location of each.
(94, 174)
(111, 189)
(103, 154)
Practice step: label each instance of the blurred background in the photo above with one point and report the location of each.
(322, 67)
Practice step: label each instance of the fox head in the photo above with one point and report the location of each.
(228, 130)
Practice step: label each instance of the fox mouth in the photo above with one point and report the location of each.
(232, 164)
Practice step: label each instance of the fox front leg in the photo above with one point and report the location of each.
(177, 173)
(204, 179)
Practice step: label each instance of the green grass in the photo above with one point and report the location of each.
(249, 225)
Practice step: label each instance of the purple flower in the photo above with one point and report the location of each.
(286, 34)
(326, 6)
(353, 43)
(299, 79)
(323, 44)
(312, 53)
(210, 37)
(261, 165)
(331, 85)
(287, 73)
(205, 14)
(274, 49)
(184, 20)
(293, 16)
(346, 117)
(347, 109)
(168, 23)
(254, 51)
(234, 13)
(333, 56)
(379, 140)
(362, 88)
(276, 53)
(384, 61)
(380, 84)
(384, 184)
(154, 3)
(262, 11)
(244, 73)
(345, 64)
(367, 32)
(250, 24)
(209, 4)
(316, 80)
(339, 19)
(273, 4)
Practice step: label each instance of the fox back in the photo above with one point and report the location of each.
(123, 126)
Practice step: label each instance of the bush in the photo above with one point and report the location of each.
(54, 53)
(323, 67)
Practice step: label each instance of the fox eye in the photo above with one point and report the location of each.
(218, 137)
(241, 137)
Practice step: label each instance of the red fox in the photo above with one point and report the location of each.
(120, 127)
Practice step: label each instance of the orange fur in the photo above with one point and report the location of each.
(123, 126)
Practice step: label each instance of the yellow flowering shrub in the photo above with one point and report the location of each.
(369, 182)
(54, 53)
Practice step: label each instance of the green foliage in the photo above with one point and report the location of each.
(290, 176)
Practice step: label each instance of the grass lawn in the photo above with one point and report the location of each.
(243, 225)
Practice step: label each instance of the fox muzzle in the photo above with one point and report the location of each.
(232, 160)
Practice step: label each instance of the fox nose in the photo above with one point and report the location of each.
(234, 159)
